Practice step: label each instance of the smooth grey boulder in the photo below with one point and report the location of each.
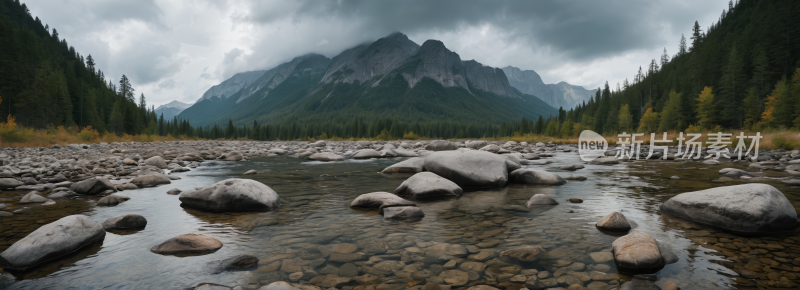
(607, 160)
(754, 208)
(112, 200)
(156, 161)
(402, 213)
(575, 177)
(475, 144)
(380, 200)
(92, 186)
(232, 195)
(530, 176)
(366, 154)
(326, 156)
(128, 221)
(441, 145)
(734, 173)
(32, 197)
(187, 244)
(51, 241)
(469, 169)
(174, 191)
(62, 194)
(6, 183)
(540, 199)
(637, 252)
(614, 221)
(427, 185)
(412, 165)
(150, 180)
(232, 156)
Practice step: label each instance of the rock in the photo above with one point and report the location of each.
(601, 257)
(329, 281)
(5, 214)
(575, 178)
(32, 197)
(608, 160)
(475, 144)
(575, 200)
(92, 186)
(745, 209)
(524, 253)
(366, 154)
(232, 156)
(251, 172)
(442, 253)
(540, 199)
(126, 186)
(469, 169)
(639, 284)
(211, 286)
(156, 161)
(380, 200)
(515, 207)
(58, 178)
(530, 176)
(482, 287)
(62, 194)
(427, 185)
(454, 277)
(112, 200)
(411, 165)
(667, 253)
(150, 180)
(614, 221)
(571, 167)
(441, 145)
(669, 285)
(239, 262)
(280, 285)
(174, 191)
(402, 213)
(7, 183)
(326, 156)
(734, 173)
(187, 244)
(637, 252)
(128, 221)
(491, 148)
(232, 195)
(52, 241)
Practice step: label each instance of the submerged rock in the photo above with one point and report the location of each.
(174, 191)
(614, 221)
(51, 241)
(412, 165)
(232, 195)
(469, 169)
(637, 252)
(530, 176)
(367, 154)
(187, 244)
(380, 200)
(402, 213)
(524, 253)
(128, 221)
(745, 209)
(427, 185)
(239, 262)
(112, 200)
(540, 199)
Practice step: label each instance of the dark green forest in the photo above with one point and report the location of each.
(740, 72)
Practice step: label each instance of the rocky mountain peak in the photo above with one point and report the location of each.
(371, 62)
(435, 61)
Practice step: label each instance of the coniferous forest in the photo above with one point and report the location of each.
(740, 72)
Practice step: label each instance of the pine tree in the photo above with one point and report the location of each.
(697, 36)
(752, 108)
(624, 118)
(732, 82)
(682, 46)
(671, 117)
(664, 58)
(125, 89)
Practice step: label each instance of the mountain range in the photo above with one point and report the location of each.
(171, 109)
(392, 77)
(560, 95)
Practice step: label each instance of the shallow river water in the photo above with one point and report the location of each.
(315, 215)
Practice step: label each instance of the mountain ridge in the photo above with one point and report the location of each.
(561, 94)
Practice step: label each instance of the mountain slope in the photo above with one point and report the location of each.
(171, 109)
(232, 85)
(557, 95)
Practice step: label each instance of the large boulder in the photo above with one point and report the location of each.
(380, 200)
(441, 145)
(744, 209)
(469, 169)
(232, 195)
(367, 154)
(150, 180)
(9, 183)
(326, 156)
(187, 244)
(412, 165)
(427, 185)
(51, 241)
(614, 221)
(128, 221)
(156, 161)
(92, 186)
(637, 252)
(530, 176)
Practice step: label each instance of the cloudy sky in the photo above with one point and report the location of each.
(177, 49)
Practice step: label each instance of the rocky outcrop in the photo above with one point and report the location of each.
(231, 85)
(524, 253)
(745, 209)
(637, 252)
(51, 241)
(488, 79)
(427, 185)
(469, 169)
(368, 62)
(540, 199)
(232, 195)
(435, 61)
(156, 161)
(271, 78)
(112, 200)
